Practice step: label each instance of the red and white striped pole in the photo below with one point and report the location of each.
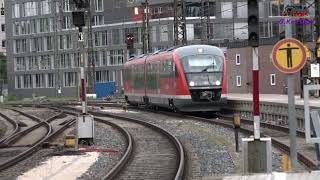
(83, 91)
(255, 77)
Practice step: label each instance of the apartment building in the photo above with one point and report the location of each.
(43, 51)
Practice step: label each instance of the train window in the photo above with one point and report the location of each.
(202, 63)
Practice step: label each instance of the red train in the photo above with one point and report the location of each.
(188, 78)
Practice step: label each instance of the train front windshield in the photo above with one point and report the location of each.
(202, 63)
(203, 70)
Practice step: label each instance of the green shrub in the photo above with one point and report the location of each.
(12, 97)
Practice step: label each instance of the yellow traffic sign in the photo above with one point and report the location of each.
(289, 55)
(318, 53)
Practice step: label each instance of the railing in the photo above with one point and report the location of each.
(273, 113)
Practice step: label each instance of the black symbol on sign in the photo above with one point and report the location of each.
(289, 54)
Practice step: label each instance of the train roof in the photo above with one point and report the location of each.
(196, 49)
(184, 51)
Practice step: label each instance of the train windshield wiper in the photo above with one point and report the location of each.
(207, 67)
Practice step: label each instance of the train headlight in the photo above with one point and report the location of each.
(191, 83)
(218, 83)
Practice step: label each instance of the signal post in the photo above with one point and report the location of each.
(257, 155)
(85, 123)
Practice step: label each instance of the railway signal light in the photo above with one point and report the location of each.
(253, 23)
(129, 41)
(78, 18)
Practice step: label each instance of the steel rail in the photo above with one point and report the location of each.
(309, 163)
(179, 148)
(15, 136)
(126, 157)
(49, 135)
(15, 125)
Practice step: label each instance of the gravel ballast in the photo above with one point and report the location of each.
(210, 148)
(105, 137)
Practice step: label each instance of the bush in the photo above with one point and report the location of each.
(12, 97)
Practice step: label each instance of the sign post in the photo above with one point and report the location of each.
(289, 56)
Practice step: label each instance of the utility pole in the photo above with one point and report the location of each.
(180, 32)
(300, 37)
(91, 58)
(205, 22)
(146, 28)
(57, 29)
(291, 103)
(317, 26)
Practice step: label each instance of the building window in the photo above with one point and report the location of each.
(241, 30)
(272, 79)
(27, 81)
(66, 23)
(154, 34)
(116, 57)
(51, 80)
(70, 79)
(16, 11)
(262, 9)
(18, 83)
(64, 61)
(40, 80)
(224, 31)
(20, 64)
(238, 78)
(32, 63)
(98, 20)
(116, 37)
(238, 62)
(226, 10)
(3, 43)
(197, 31)
(264, 29)
(2, 27)
(45, 7)
(66, 6)
(45, 62)
(102, 76)
(48, 42)
(29, 9)
(242, 9)
(76, 60)
(164, 33)
(99, 5)
(157, 10)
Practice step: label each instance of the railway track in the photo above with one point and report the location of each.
(15, 128)
(25, 151)
(279, 134)
(155, 153)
